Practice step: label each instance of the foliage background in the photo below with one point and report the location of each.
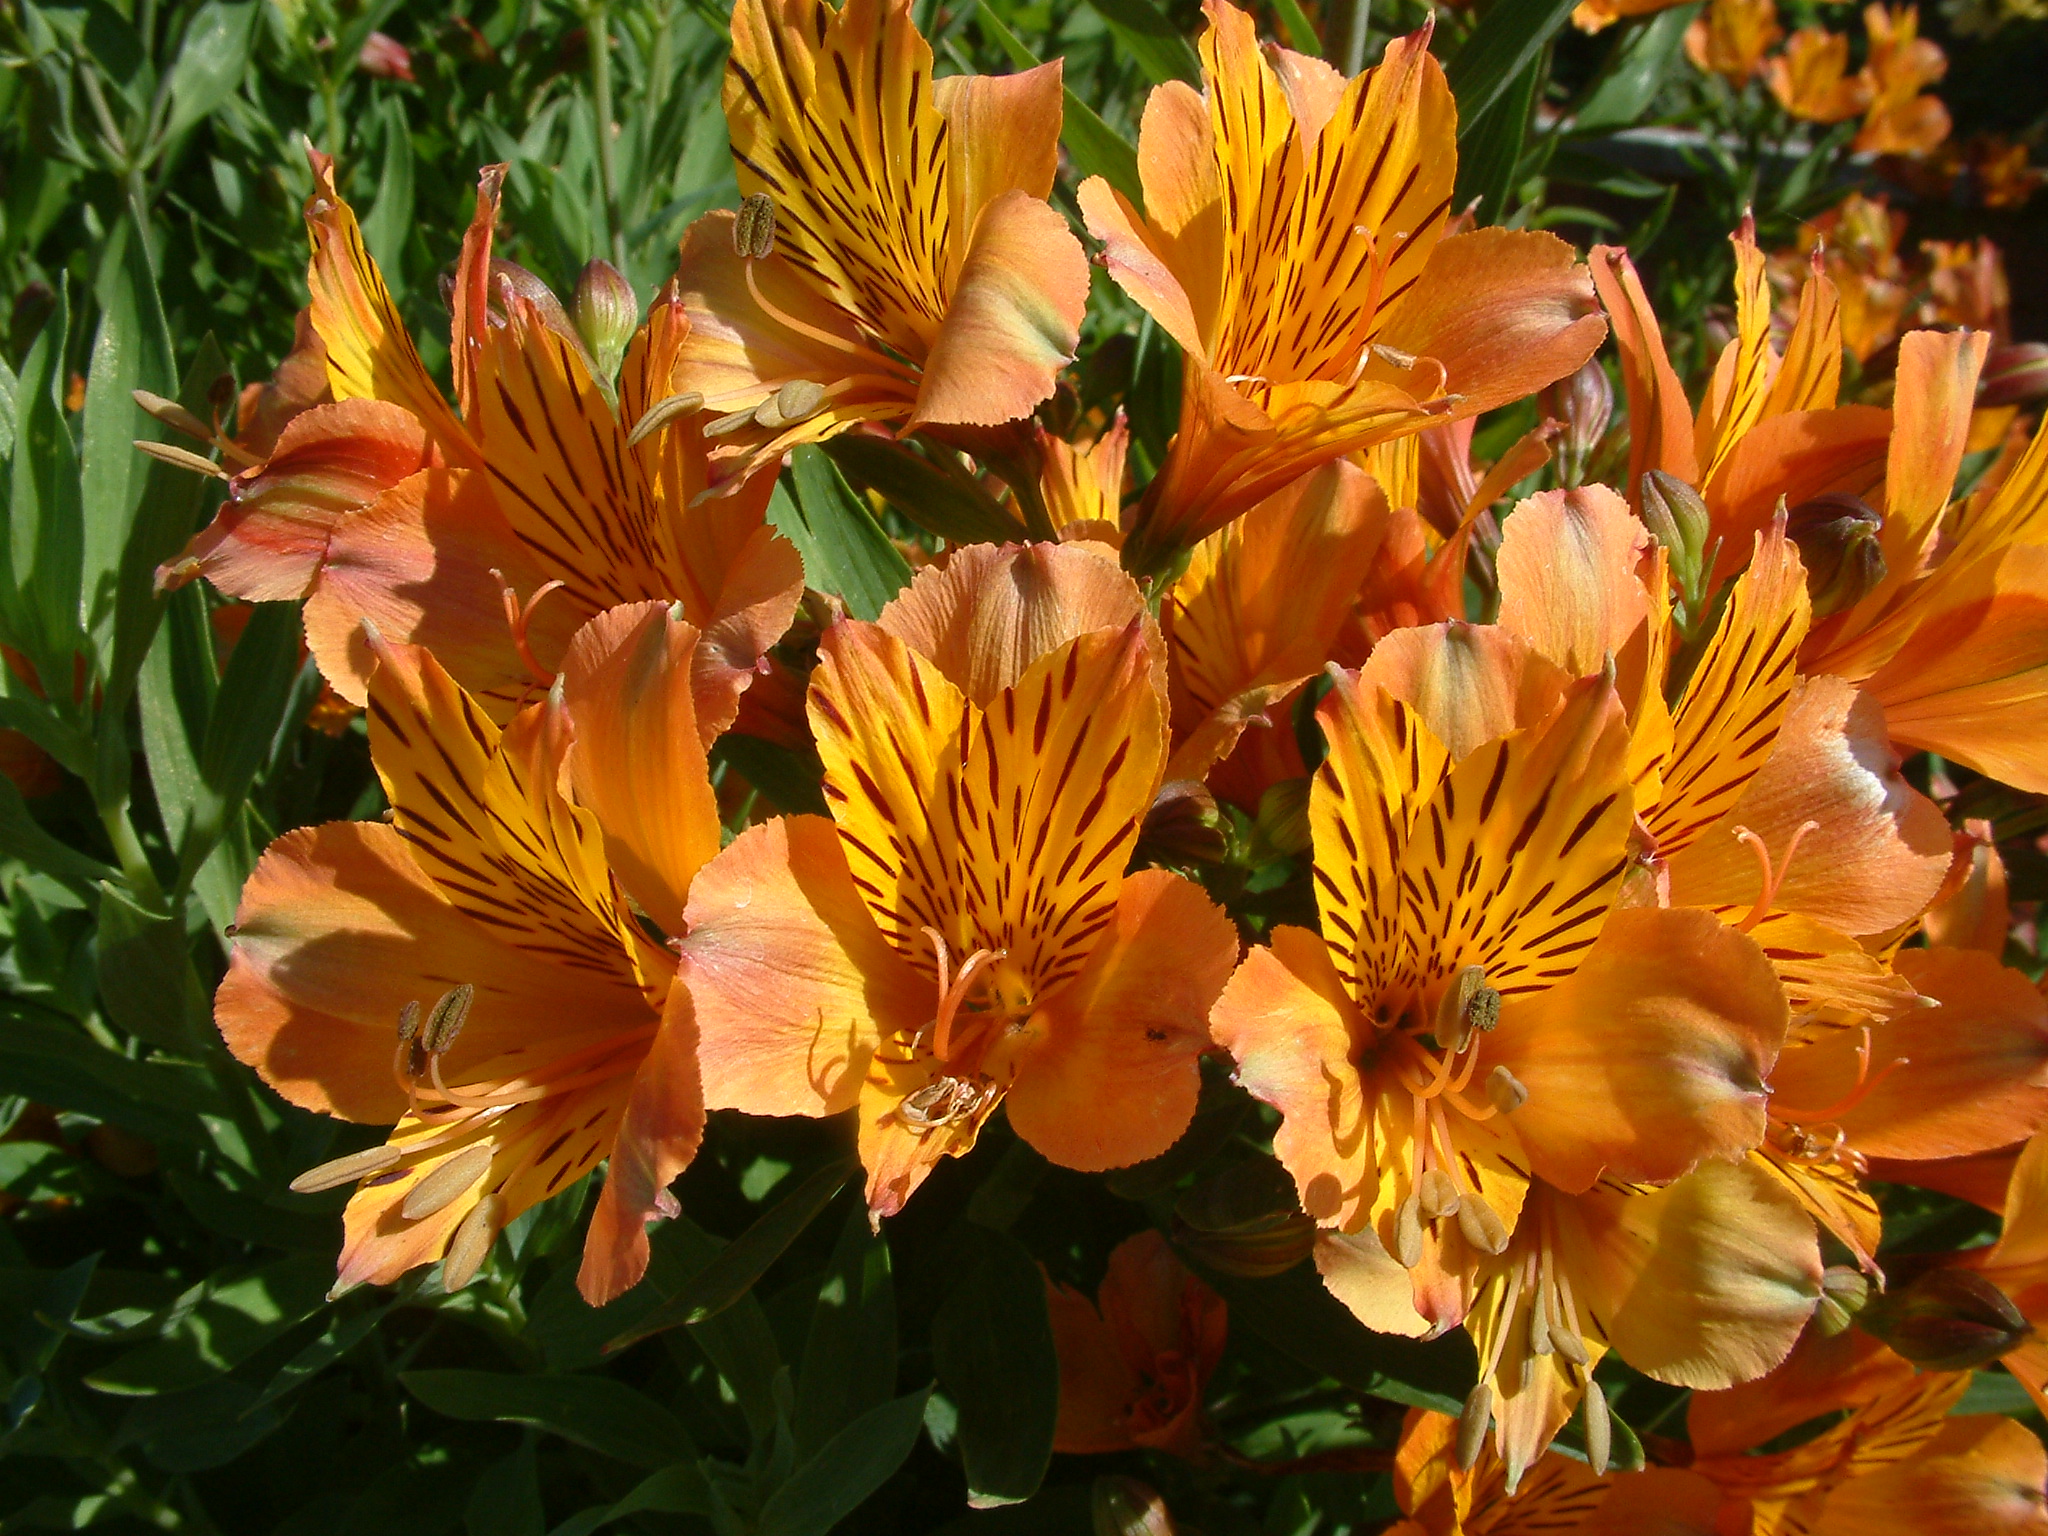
(168, 1356)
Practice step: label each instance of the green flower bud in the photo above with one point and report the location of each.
(1283, 817)
(1123, 1506)
(1245, 1221)
(1949, 1319)
(2014, 374)
(606, 314)
(1183, 826)
(1584, 403)
(1837, 537)
(1677, 518)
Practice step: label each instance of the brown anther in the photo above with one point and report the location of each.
(173, 415)
(447, 1019)
(1481, 1225)
(726, 425)
(1473, 1424)
(1570, 1345)
(1599, 1429)
(1408, 1232)
(661, 413)
(408, 1022)
(798, 399)
(1539, 1327)
(1505, 1091)
(181, 458)
(1453, 1021)
(471, 1244)
(346, 1170)
(447, 1182)
(753, 228)
(1438, 1194)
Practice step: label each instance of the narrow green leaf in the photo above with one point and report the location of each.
(851, 1465)
(746, 1258)
(248, 709)
(678, 1490)
(1490, 156)
(211, 62)
(24, 839)
(595, 1412)
(789, 779)
(993, 1351)
(1156, 45)
(9, 386)
(1508, 38)
(56, 1063)
(233, 1322)
(145, 974)
(849, 1364)
(506, 1499)
(1643, 54)
(390, 219)
(951, 504)
(1301, 32)
(844, 549)
(45, 545)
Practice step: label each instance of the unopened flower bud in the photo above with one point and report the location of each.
(605, 312)
(1245, 1221)
(2014, 374)
(385, 57)
(1837, 537)
(1584, 403)
(1123, 1506)
(1677, 518)
(1844, 1292)
(1283, 817)
(1949, 1319)
(1183, 826)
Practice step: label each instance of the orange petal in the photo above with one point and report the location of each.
(1935, 390)
(338, 929)
(1504, 312)
(1880, 851)
(656, 1139)
(1568, 581)
(1736, 399)
(1108, 1067)
(989, 611)
(1824, 1373)
(888, 728)
(1981, 1473)
(1811, 375)
(1358, 1271)
(792, 983)
(1648, 1058)
(1978, 1077)
(1794, 457)
(1702, 1284)
(1660, 424)
(629, 685)
(1832, 1193)
(1288, 1023)
(269, 538)
(370, 355)
(1096, 1385)
(422, 563)
(1141, 257)
(1002, 135)
(1013, 320)
(1260, 605)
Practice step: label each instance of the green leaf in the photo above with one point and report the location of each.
(849, 1364)
(1635, 69)
(950, 503)
(57, 1064)
(233, 1322)
(595, 1412)
(24, 839)
(850, 1466)
(1301, 32)
(1095, 148)
(1154, 43)
(211, 62)
(506, 1499)
(844, 549)
(145, 974)
(248, 708)
(390, 219)
(678, 1490)
(341, 1335)
(1507, 40)
(45, 545)
(741, 1262)
(1489, 156)
(9, 386)
(790, 780)
(993, 1351)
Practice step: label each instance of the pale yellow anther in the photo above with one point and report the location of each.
(1438, 1194)
(1408, 1232)
(1599, 1429)
(1481, 1225)
(346, 1170)
(1504, 1091)
(471, 1244)
(447, 1183)
(1473, 1424)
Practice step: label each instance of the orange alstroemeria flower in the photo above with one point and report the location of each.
(1901, 1463)
(1293, 243)
(962, 933)
(1811, 77)
(901, 266)
(2018, 1263)
(490, 531)
(1771, 801)
(556, 1036)
(1901, 120)
(1135, 1362)
(1731, 39)
(1480, 1008)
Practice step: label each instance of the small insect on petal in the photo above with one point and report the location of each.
(447, 1183)
(753, 230)
(471, 1244)
(661, 413)
(346, 1170)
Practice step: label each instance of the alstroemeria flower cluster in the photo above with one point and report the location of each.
(1570, 914)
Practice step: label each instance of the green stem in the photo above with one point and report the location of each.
(599, 28)
(135, 867)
